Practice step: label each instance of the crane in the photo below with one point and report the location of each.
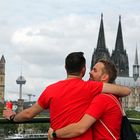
(30, 95)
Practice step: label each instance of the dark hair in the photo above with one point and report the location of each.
(74, 63)
(110, 69)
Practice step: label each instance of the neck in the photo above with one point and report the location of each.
(73, 76)
(104, 81)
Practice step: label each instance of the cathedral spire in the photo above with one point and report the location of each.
(136, 57)
(136, 66)
(100, 52)
(119, 55)
(101, 37)
(119, 40)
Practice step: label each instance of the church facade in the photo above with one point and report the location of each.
(119, 57)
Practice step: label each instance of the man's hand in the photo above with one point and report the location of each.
(50, 131)
(7, 113)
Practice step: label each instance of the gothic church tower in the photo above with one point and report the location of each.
(101, 52)
(2, 78)
(136, 67)
(119, 55)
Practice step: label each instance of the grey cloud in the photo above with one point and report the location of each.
(62, 26)
(43, 59)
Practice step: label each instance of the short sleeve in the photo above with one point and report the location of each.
(44, 99)
(95, 87)
(97, 107)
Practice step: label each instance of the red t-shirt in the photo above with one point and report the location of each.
(68, 101)
(106, 109)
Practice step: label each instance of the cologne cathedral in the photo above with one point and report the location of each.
(119, 57)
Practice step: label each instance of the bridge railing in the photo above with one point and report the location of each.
(47, 120)
(36, 120)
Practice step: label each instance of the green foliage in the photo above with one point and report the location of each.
(36, 128)
(134, 114)
(9, 128)
(1, 109)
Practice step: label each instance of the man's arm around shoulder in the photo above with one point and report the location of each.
(117, 90)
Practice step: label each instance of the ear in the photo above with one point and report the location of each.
(105, 77)
(83, 71)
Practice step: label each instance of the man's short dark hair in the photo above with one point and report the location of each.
(110, 69)
(74, 63)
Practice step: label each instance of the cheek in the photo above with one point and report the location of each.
(94, 74)
(97, 76)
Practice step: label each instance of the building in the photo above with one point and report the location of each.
(119, 57)
(133, 100)
(101, 50)
(2, 79)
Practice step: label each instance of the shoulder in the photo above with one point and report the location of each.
(94, 83)
(105, 97)
(55, 84)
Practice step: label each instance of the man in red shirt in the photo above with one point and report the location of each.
(68, 99)
(103, 110)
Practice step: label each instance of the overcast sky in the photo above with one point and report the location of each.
(36, 36)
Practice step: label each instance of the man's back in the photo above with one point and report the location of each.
(68, 100)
